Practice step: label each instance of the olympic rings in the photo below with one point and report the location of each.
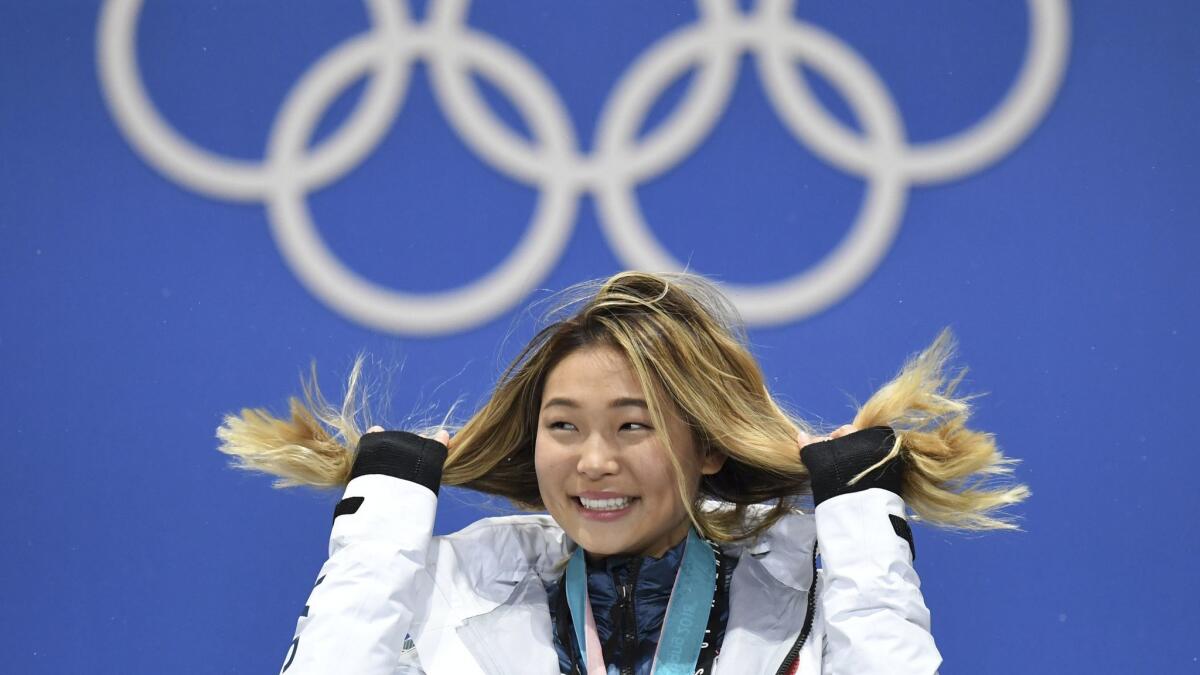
(553, 162)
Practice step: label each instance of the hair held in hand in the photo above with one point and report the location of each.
(688, 348)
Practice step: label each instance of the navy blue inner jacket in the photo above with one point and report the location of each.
(629, 630)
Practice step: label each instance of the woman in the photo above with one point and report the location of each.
(642, 424)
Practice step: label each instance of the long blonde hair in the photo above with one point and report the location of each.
(688, 349)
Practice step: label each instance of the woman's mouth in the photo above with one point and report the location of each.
(609, 508)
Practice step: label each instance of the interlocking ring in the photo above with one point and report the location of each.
(553, 162)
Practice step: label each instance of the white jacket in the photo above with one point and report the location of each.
(474, 601)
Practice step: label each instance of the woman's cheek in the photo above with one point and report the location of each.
(541, 467)
(552, 466)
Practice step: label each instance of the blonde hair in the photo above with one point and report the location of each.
(686, 345)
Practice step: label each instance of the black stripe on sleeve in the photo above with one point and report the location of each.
(902, 529)
(347, 506)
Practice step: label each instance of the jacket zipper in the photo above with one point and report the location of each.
(628, 616)
(785, 668)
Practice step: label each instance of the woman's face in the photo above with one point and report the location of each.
(602, 471)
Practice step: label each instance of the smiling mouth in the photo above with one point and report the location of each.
(604, 505)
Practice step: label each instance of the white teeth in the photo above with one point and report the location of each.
(605, 504)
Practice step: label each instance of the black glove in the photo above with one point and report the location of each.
(401, 454)
(831, 464)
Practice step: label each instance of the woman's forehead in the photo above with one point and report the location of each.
(591, 373)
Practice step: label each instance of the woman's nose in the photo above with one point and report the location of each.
(598, 458)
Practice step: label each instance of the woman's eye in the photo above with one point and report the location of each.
(635, 426)
(566, 426)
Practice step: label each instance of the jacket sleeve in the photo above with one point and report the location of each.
(875, 617)
(374, 584)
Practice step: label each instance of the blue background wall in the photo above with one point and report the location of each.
(134, 310)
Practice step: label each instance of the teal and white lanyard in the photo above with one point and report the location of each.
(683, 628)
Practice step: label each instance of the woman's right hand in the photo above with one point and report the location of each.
(442, 436)
(402, 454)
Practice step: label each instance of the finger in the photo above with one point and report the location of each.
(441, 436)
(805, 439)
(843, 430)
(375, 429)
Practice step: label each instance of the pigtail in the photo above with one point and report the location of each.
(314, 446)
(955, 476)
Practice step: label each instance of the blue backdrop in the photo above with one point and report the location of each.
(159, 268)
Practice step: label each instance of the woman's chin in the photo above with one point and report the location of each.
(596, 541)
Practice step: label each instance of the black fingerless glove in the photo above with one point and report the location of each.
(402, 455)
(831, 464)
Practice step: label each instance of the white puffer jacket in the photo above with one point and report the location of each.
(392, 598)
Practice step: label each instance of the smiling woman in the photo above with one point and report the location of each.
(685, 507)
(604, 474)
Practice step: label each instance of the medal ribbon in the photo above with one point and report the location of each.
(683, 626)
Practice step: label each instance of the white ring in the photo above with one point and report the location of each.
(202, 170)
(351, 294)
(855, 256)
(944, 159)
(552, 161)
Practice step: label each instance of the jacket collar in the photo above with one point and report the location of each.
(652, 579)
(775, 571)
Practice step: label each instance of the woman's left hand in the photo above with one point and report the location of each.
(833, 460)
(805, 439)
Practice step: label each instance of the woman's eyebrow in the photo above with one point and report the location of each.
(624, 402)
(615, 403)
(566, 402)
